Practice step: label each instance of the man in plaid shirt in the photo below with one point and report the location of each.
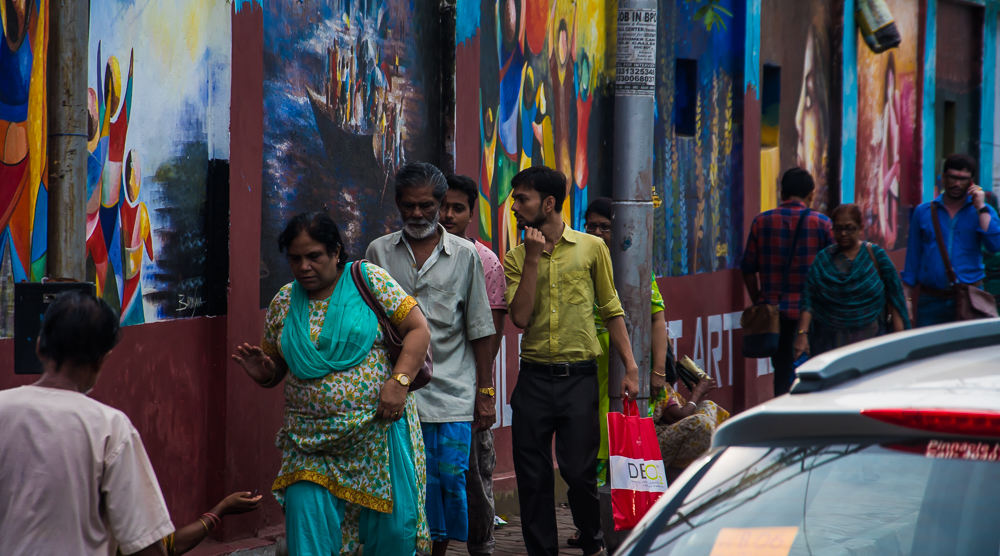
(768, 248)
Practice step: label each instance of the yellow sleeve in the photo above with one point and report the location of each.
(512, 272)
(605, 295)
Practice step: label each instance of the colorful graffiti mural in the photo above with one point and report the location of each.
(23, 149)
(885, 183)
(146, 231)
(698, 182)
(544, 97)
(351, 92)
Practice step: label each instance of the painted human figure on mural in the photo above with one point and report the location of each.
(887, 138)
(105, 180)
(136, 235)
(561, 76)
(581, 171)
(812, 116)
(22, 146)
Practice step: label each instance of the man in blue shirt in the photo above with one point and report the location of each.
(967, 224)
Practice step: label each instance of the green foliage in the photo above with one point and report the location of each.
(712, 13)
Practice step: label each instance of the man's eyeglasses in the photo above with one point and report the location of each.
(591, 227)
(845, 230)
(958, 179)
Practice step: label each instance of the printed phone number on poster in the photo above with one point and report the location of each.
(635, 72)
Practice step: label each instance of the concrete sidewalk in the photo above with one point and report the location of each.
(510, 543)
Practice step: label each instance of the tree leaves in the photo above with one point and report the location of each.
(711, 13)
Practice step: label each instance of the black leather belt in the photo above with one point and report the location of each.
(578, 368)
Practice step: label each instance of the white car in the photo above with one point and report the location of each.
(887, 447)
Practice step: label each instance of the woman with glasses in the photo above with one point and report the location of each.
(852, 292)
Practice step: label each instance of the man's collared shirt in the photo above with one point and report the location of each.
(963, 238)
(451, 292)
(768, 248)
(573, 280)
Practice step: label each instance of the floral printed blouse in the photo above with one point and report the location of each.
(330, 435)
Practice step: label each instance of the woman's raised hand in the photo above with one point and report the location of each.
(703, 387)
(256, 363)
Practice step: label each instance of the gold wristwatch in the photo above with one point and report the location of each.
(491, 391)
(402, 379)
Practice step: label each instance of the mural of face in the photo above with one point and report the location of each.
(811, 115)
(112, 86)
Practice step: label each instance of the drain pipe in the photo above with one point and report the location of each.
(69, 28)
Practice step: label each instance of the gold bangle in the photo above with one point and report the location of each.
(803, 331)
(202, 521)
(664, 375)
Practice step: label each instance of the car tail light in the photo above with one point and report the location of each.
(952, 421)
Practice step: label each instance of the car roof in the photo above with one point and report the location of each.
(955, 367)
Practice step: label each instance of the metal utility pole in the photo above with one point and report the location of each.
(69, 29)
(632, 208)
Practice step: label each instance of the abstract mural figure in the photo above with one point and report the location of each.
(543, 89)
(136, 235)
(23, 174)
(106, 143)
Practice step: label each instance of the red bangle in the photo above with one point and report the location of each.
(215, 519)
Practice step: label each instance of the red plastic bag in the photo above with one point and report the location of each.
(635, 466)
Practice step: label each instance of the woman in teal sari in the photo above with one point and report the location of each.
(352, 475)
(852, 292)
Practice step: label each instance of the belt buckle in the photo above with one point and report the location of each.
(563, 366)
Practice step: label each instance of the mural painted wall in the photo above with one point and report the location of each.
(795, 89)
(158, 134)
(351, 92)
(698, 182)
(545, 98)
(886, 179)
(23, 149)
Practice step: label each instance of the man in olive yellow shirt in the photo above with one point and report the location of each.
(555, 278)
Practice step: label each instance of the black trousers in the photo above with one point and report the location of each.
(784, 360)
(567, 407)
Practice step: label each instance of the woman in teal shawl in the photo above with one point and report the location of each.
(353, 474)
(849, 296)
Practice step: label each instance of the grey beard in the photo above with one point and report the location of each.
(421, 229)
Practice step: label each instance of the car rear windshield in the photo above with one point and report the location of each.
(926, 498)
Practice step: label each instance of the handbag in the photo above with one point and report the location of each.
(971, 303)
(761, 322)
(635, 466)
(393, 341)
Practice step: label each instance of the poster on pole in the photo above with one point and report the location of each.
(635, 73)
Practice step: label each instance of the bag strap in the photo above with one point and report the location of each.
(940, 243)
(871, 253)
(803, 216)
(366, 293)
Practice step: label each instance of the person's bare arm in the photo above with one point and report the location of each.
(801, 344)
(620, 341)
(523, 304)
(155, 549)
(658, 345)
(897, 319)
(486, 413)
(416, 336)
(499, 321)
(192, 534)
(676, 412)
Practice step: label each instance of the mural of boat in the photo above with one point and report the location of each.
(345, 147)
